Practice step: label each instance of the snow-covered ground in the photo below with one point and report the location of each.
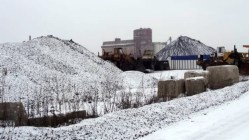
(49, 71)
(137, 122)
(226, 122)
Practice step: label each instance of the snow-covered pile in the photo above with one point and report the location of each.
(50, 68)
(132, 123)
(184, 46)
(48, 72)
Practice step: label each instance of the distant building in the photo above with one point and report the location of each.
(142, 40)
(158, 46)
(126, 45)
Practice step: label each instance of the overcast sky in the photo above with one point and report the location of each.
(90, 22)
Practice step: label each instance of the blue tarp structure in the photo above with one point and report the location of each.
(189, 57)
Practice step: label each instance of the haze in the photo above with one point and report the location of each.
(90, 22)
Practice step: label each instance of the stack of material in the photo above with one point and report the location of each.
(170, 88)
(195, 85)
(221, 76)
(184, 46)
(196, 82)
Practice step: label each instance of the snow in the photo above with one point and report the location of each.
(51, 68)
(48, 67)
(48, 72)
(51, 72)
(134, 123)
(175, 74)
(134, 79)
(195, 78)
(228, 121)
(184, 46)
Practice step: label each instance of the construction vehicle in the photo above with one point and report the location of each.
(228, 58)
(146, 63)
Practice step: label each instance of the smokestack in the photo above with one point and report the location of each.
(30, 37)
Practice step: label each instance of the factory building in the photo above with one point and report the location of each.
(142, 40)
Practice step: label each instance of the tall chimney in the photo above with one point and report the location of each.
(30, 37)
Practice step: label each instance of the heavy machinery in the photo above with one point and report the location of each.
(136, 54)
(229, 58)
(146, 63)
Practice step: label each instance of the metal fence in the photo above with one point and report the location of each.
(185, 62)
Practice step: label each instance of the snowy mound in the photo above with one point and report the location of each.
(136, 79)
(48, 67)
(184, 46)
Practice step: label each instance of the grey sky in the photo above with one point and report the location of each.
(90, 22)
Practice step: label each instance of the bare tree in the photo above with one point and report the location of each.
(95, 99)
(109, 93)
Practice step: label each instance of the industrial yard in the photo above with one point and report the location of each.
(122, 70)
(121, 103)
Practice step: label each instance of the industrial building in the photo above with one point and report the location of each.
(142, 40)
(181, 53)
